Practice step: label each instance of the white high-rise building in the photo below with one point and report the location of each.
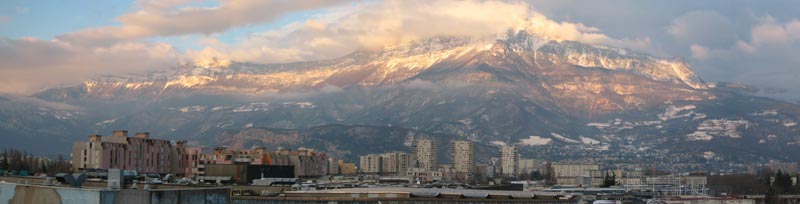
(509, 158)
(424, 153)
(463, 154)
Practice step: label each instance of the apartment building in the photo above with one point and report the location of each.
(139, 153)
(463, 155)
(424, 153)
(509, 159)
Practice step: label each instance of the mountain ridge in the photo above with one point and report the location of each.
(555, 99)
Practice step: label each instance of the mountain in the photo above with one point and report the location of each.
(555, 99)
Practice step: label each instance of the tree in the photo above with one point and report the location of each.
(783, 183)
(4, 161)
(536, 175)
(609, 180)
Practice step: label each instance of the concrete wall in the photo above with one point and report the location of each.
(23, 194)
(12, 193)
(199, 196)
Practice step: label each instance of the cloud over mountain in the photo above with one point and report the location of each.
(375, 25)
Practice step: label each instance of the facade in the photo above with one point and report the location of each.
(394, 163)
(463, 154)
(255, 156)
(307, 162)
(245, 173)
(347, 168)
(484, 172)
(528, 166)
(576, 174)
(667, 184)
(197, 158)
(145, 155)
(196, 161)
(139, 153)
(424, 153)
(333, 167)
(509, 158)
(424, 175)
(370, 164)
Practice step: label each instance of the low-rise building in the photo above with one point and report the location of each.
(576, 174)
(424, 175)
(307, 162)
(394, 163)
(347, 168)
(528, 166)
(370, 164)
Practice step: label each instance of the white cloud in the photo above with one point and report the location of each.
(180, 17)
(4, 19)
(768, 59)
(699, 52)
(703, 27)
(767, 35)
(375, 25)
(31, 64)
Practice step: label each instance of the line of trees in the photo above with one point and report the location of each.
(18, 161)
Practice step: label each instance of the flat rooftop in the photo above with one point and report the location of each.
(406, 195)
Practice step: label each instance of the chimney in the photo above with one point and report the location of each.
(120, 133)
(143, 135)
(95, 138)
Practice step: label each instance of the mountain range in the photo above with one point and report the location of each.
(554, 99)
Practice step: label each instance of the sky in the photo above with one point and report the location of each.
(54, 43)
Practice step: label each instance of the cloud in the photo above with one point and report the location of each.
(127, 48)
(178, 17)
(770, 32)
(4, 19)
(767, 59)
(31, 64)
(706, 27)
(22, 10)
(375, 25)
(40, 102)
(765, 37)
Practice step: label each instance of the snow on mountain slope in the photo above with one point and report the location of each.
(389, 66)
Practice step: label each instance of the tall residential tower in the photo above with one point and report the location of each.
(424, 153)
(463, 154)
(509, 158)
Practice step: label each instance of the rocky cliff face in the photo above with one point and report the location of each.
(596, 79)
(520, 89)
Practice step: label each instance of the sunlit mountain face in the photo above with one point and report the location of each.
(556, 99)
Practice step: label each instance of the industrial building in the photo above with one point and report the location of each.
(245, 173)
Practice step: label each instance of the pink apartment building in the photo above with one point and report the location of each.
(139, 153)
(154, 156)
